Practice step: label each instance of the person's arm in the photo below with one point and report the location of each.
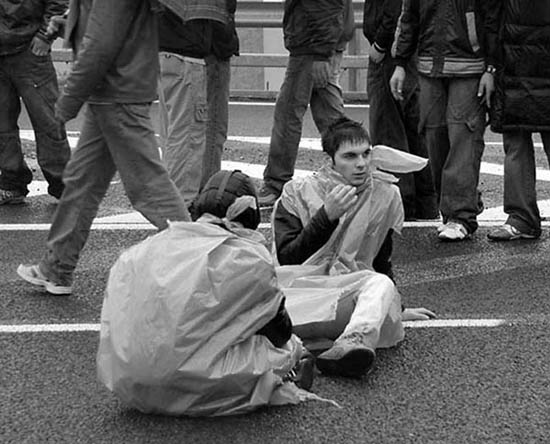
(295, 243)
(106, 31)
(279, 329)
(491, 11)
(407, 40)
(382, 261)
(492, 15)
(53, 8)
(391, 10)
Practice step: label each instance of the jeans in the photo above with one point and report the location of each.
(218, 73)
(297, 92)
(183, 120)
(395, 124)
(113, 137)
(520, 197)
(32, 78)
(453, 119)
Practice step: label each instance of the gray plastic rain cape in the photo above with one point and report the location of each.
(178, 325)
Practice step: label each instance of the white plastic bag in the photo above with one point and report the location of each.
(178, 325)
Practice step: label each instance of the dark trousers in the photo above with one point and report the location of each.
(33, 79)
(114, 137)
(520, 197)
(297, 92)
(395, 124)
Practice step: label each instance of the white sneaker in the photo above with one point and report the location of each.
(453, 231)
(32, 274)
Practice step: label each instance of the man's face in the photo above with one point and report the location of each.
(353, 161)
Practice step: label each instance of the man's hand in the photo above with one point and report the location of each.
(56, 23)
(417, 314)
(320, 71)
(375, 55)
(486, 88)
(340, 199)
(39, 47)
(397, 81)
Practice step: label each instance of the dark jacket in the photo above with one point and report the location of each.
(21, 20)
(315, 27)
(522, 96)
(118, 59)
(380, 21)
(454, 38)
(295, 243)
(200, 37)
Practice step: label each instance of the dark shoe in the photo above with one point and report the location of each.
(351, 361)
(303, 373)
(11, 197)
(32, 274)
(267, 197)
(508, 232)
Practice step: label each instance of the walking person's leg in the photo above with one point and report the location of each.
(131, 141)
(183, 119)
(327, 104)
(218, 79)
(87, 178)
(291, 105)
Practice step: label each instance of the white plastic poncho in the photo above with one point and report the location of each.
(178, 325)
(344, 264)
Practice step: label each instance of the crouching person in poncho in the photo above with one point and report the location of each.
(333, 238)
(193, 320)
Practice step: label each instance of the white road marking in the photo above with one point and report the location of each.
(456, 323)
(490, 215)
(435, 323)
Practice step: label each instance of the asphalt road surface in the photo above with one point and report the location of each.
(479, 373)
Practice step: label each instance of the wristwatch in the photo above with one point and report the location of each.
(491, 69)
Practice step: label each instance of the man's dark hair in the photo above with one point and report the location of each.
(343, 130)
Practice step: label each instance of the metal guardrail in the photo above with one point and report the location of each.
(256, 14)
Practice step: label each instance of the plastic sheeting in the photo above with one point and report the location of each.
(341, 271)
(178, 325)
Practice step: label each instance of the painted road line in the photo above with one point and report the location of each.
(126, 224)
(256, 171)
(434, 323)
(457, 323)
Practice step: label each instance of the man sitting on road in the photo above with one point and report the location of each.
(333, 235)
(193, 320)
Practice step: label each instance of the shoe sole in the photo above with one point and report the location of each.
(354, 364)
(458, 239)
(48, 286)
